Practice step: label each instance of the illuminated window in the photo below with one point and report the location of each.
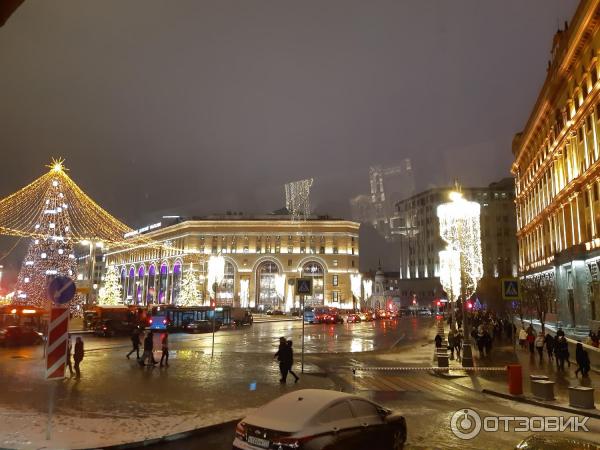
(335, 280)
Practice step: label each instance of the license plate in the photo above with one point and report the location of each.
(258, 441)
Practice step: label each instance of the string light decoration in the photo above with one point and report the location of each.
(297, 198)
(20, 212)
(111, 293)
(460, 229)
(368, 288)
(450, 273)
(280, 287)
(356, 284)
(50, 254)
(216, 272)
(189, 295)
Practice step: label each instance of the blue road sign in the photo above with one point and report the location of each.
(511, 289)
(61, 290)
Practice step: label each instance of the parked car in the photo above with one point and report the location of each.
(202, 326)
(108, 328)
(353, 318)
(322, 419)
(325, 314)
(18, 335)
(309, 317)
(424, 312)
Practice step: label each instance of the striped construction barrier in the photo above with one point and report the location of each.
(425, 368)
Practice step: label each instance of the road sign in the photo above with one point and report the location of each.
(303, 286)
(56, 353)
(511, 289)
(61, 290)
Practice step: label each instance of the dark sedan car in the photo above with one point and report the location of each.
(18, 335)
(322, 419)
(202, 326)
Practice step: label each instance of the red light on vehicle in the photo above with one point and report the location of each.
(150, 321)
(438, 303)
(104, 328)
(165, 321)
(469, 305)
(240, 430)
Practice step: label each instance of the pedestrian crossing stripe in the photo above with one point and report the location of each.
(510, 289)
(303, 286)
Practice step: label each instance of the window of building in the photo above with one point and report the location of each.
(352, 263)
(303, 249)
(335, 263)
(321, 249)
(335, 280)
(335, 250)
(335, 296)
(289, 263)
(246, 249)
(290, 249)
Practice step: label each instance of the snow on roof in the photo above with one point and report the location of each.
(291, 412)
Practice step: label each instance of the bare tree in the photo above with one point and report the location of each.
(537, 293)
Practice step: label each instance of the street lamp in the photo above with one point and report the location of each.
(216, 273)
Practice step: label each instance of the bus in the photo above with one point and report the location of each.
(26, 316)
(175, 318)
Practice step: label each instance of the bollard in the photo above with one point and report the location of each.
(515, 379)
(467, 355)
(581, 397)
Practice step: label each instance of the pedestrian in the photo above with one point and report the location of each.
(487, 343)
(561, 350)
(69, 353)
(522, 338)
(289, 360)
(280, 355)
(583, 360)
(165, 349)
(438, 341)
(135, 342)
(458, 339)
(451, 342)
(539, 344)
(549, 341)
(78, 356)
(531, 342)
(560, 332)
(148, 350)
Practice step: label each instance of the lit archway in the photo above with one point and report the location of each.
(162, 282)
(151, 290)
(131, 284)
(227, 286)
(139, 289)
(267, 296)
(176, 284)
(314, 270)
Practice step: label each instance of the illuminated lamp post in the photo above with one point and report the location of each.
(460, 229)
(216, 273)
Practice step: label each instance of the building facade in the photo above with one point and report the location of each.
(420, 241)
(262, 257)
(557, 169)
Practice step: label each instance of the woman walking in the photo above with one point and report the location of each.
(539, 344)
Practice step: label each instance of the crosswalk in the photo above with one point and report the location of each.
(416, 382)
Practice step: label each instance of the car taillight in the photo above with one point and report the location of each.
(240, 430)
(289, 443)
(150, 321)
(104, 328)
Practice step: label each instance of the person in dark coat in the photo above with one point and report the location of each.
(288, 359)
(148, 350)
(560, 332)
(165, 349)
(438, 341)
(78, 356)
(561, 350)
(280, 355)
(135, 342)
(583, 360)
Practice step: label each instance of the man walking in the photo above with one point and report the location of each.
(165, 349)
(135, 342)
(78, 356)
(288, 359)
(69, 353)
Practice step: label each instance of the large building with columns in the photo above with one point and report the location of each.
(263, 254)
(557, 169)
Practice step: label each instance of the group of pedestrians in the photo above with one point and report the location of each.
(147, 358)
(557, 348)
(285, 356)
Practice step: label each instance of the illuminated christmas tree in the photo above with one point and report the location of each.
(189, 294)
(51, 252)
(111, 293)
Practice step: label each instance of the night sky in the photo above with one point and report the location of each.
(196, 107)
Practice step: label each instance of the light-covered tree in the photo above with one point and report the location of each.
(111, 292)
(188, 293)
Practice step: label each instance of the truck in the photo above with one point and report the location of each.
(241, 316)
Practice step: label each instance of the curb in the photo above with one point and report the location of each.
(580, 412)
(168, 438)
